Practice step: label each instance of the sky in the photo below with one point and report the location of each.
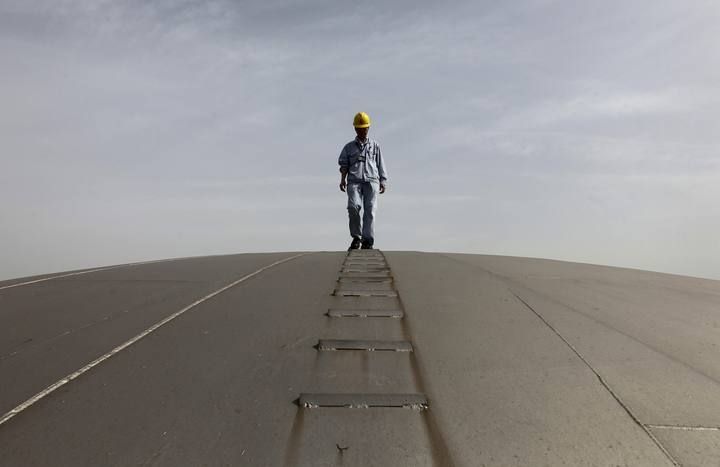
(579, 131)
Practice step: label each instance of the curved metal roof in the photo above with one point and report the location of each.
(367, 358)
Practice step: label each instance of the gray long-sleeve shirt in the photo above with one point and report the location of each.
(363, 161)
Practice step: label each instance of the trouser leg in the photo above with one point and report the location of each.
(354, 192)
(369, 196)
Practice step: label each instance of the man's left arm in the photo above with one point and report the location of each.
(382, 173)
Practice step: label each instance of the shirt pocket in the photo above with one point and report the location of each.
(353, 158)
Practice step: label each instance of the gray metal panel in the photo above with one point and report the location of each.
(520, 380)
(370, 345)
(691, 446)
(364, 401)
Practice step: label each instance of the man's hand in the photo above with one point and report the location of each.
(343, 185)
(382, 188)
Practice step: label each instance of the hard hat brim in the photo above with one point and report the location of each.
(364, 125)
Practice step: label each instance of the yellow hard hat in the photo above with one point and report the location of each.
(361, 120)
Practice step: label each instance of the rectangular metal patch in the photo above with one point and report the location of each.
(366, 293)
(365, 269)
(364, 401)
(368, 345)
(365, 313)
(365, 280)
(365, 266)
(366, 274)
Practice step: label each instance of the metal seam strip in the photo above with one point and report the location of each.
(365, 313)
(365, 401)
(88, 271)
(367, 345)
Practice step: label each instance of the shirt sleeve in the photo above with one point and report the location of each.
(381, 165)
(343, 160)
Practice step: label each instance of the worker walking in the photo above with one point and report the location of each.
(363, 175)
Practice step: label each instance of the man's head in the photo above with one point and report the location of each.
(361, 122)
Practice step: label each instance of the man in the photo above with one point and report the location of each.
(363, 175)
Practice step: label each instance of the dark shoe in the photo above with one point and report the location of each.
(355, 244)
(367, 246)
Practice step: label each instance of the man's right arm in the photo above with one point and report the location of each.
(344, 167)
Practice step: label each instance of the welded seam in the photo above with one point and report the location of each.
(62, 382)
(33, 344)
(88, 271)
(683, 427)
(615, 396)
(516, 284)
(440, 451)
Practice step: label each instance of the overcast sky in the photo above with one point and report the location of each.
(138, 130)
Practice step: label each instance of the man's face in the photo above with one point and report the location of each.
(362, 133)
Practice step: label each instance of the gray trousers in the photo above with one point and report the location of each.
(362, 195)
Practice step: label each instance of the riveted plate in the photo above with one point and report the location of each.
(366, 274)
(365, 280)
(363, 269)
(366, 293)
(369, 345)
(365, 263)
(353, 267)
(363, 401)
(365, 313)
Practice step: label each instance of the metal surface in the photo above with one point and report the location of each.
(524, 361)
(368, 345)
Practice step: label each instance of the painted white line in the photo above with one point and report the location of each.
(130, 342)
(89, 271)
